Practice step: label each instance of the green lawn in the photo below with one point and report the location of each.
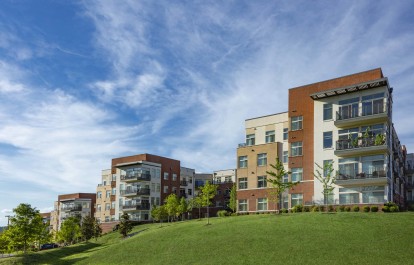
(305, 238)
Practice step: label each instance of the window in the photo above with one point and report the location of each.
(108, 194)
(242, 183)
(373, 166)
(348, 196)
(174, 177)
(348, 168)
(325, 170)
(270, 136)
(262, 204)
(242, 205)
(107, 206)
(373, 104)
(348, 109)
(174, 190)
(99, 194)
(285, 156)
(261, 182)
(297, 174)
(104, 183)
(157, 173)
(190, 192)
(285, 178)
(296, 149)
(152, 187)
(113, 205)
(250, 139)
(113, 191)
(296, 199)
(113, 177)
(327, 139)
(158, 187)
(106, 218)
(165, 189)
(285, 201)
(262, 159)
(373, 194)
(296, 123)
(98, 207)
(285, 133)
(165, 175)
(112, 218)
(327, 111)
(242, 161)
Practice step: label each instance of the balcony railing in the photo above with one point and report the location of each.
(361, 142)
(356, 110)
(242, 145)
(137, 191)
(183, 183)
(138, 207)
(375, 174)
(72, 208)
(136, 176)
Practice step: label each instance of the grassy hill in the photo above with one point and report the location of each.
(305, 238)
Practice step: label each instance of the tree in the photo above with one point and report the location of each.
(44, 236)
(326, 178)
(194, 203)
(208, 191)
(4, 243)
(125, 226)
(87, 227)
(69, 230)
(97, 230)
(278, 184)
(25, 226)
(182, 207)
(171, 204)
(159, 213)
(233, 198)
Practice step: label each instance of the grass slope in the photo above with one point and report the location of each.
(306, 238)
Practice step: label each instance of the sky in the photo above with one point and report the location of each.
(82, 82)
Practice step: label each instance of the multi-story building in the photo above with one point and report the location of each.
(410, 178)
(187, 183)
(77, 205)
(224, 179)
(105, 208)
(347, 121)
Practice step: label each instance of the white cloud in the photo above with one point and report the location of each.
(6, 211)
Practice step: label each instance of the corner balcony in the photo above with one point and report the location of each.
(376, 177)
(72, 208)
(135, 207)
(361, 146)
(135, 192)
(136, 177)
(356, 114)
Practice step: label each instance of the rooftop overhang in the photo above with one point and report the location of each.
(121, 165)
(350, 89)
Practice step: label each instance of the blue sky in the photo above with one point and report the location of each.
(82, 82)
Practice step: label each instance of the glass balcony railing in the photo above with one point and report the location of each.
(133, 206)
(135, 191)
(72, 208)
(365, 108)
(137, 176)
(377, 139)
(373, 174)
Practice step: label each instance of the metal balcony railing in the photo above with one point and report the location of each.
(183, 183)
(361, 109)
(131, 207)
(361, 142)
(379, 173)
(136, 191)
(72, 208)
(137, 176)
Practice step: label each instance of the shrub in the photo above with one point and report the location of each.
(366, 208)
(341, 208)
(321, 208)
(222, 213)
(347, 209)
(374, 209)
(234, 214)
(297, 208)
(331, 208)
(394, 209)
(355, 208)
(315, 208)
(284, 210)
(386, 209)
(306, 209)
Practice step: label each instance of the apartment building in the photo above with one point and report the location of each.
(410, 177)
(347, 121)
(77, 205)
(105, 208)
(187, 183)
(224, 179)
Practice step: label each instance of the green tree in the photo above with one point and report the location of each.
(207, 193)
(87, 227)
(327, 179)
(194, 203)
(70, 230)
(25, 226)
(159, 213)
(44, 236)
(5, 243)
(171, 204)
(125, 226)
(278, 184)
(97, 229)
(233, 198)
(182, 207)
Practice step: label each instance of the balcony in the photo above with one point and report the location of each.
(135, 192)
(183, 183)
(135, 207)
(72, 208)
(358, 114)
(361, 145)
(242, 145)
(377, 177)
(136, 177)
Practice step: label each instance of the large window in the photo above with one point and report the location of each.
(297, 174)
(270, 136)
(373, 166)
(327, 139)
(285, 178)
(285, 156)
(250, 139)
(261, 182)
(243, 205)
(348, 108)
(285, 133)
(373, 104)
(165, 175)
(174, 177)
(296, 123)
(296, 149)
(296, 199)
(373, 194)
(242, 161)
(348, 168)
(262, 204)
(348, 196)
(327, 111)
(242, 183)
(262, 159)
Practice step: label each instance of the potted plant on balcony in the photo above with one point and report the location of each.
(379, 139)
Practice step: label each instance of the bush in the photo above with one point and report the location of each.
(321, 208)
(366, 208)
(284, 210)
(341, 208)
(297, 208)
(355, 208)
(234, 214)
(386, 209)
(222, 213)
(331, 208)
(315, 208)
(347, 209)
(306, 209)
(374, 209)
(394, 209)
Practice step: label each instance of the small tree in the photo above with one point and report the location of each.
(327, 179)
(125, 225)
(171, 205)
(97, 230)
(159, 213)
(70, 230)
(278, 184)
(182, 207)
(208, 191)
(233, 198)
(87, 228)
(4, 243)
